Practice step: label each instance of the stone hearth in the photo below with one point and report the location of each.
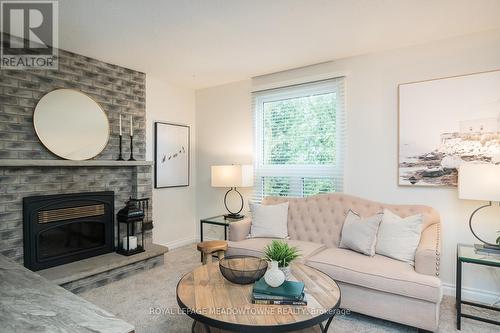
(94, 272)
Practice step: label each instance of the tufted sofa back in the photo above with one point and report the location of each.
(319, 218)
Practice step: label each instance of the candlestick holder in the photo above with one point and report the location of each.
(120, 156)
(131, 149)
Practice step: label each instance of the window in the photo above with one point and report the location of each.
(299, 139)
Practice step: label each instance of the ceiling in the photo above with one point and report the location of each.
(201, 43)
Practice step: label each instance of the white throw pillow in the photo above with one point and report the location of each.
(360, 234)
(269, 220)
(398, 237)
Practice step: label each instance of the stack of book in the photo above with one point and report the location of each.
(289, 293)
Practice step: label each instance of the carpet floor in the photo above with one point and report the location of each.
(147, 300)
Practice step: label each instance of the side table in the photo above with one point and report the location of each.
(468, 254)
(219, 220)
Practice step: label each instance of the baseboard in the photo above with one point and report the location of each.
(180, 242)
(472, 294)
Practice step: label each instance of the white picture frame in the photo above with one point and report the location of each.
(446, 122)
(172, 155)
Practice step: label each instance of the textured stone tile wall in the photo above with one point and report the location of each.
(118, 91)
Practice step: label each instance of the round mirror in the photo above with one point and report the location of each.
(71, 124)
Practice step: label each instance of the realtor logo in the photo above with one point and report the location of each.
(29, 34)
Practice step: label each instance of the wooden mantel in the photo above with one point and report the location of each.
(67, 163)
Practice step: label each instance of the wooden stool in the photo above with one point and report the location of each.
(210, 247)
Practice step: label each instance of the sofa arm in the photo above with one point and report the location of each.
(428, 252)
(239, 230)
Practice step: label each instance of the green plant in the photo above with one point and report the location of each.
(498, 239)
(281, 252)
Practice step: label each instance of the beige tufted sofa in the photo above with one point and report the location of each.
(377, 286)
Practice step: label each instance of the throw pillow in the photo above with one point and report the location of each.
(269, 220)
(398, 237)
(360, 234)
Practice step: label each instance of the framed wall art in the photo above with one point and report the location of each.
(172, 151)
(446, 122)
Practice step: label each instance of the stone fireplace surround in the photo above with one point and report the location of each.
(27, 168)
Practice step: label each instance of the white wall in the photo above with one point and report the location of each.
(225, 132)
(225, 127)
(173, 208)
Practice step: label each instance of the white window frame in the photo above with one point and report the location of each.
(294, 171)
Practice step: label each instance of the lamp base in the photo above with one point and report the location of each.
(485, 248)
(233, 216)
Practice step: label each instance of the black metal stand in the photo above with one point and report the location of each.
(233, 215)
(120, 156)
(213, 221)
(459, 301)
(131, 148)
(324, 329)
(206, 328)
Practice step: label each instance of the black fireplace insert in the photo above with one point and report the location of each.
(62, 228)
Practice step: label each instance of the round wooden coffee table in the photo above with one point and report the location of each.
(214, 302)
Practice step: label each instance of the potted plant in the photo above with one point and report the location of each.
(283, 253)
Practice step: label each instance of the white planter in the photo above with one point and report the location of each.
(274, 277)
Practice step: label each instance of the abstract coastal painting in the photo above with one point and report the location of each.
(171, 155)
(446, 122)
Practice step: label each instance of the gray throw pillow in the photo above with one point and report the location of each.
(360, 234)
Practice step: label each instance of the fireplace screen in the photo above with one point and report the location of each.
(59, 229)
(70, 238)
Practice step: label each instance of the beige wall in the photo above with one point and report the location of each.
(225, 133)
(173, 208)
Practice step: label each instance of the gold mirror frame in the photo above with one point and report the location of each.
(58, 119)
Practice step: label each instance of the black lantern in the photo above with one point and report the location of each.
(133, 217)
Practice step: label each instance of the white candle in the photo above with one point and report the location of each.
(131, 126)
(120, 125)
(132, 243)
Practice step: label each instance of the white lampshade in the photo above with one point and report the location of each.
(479, 181)
(232, 176)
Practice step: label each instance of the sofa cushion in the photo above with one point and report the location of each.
(307, 249)
(255, 247)
(378, 272)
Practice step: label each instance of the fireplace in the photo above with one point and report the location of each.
(63, 228)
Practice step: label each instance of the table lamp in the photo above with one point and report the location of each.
(232, 176)
(480, 181)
